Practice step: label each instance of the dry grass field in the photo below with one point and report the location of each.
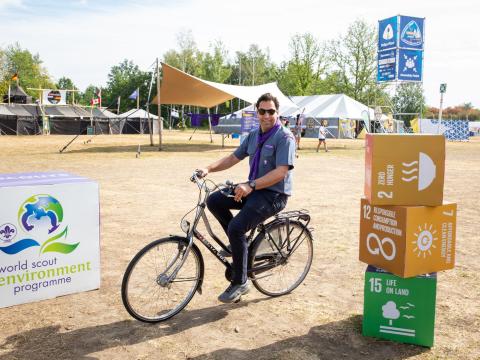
(144, 198)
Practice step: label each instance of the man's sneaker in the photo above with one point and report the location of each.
(226, 253)
(234, 292)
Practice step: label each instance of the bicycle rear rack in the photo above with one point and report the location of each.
(301, 214)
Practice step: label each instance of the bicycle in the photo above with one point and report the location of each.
(163, 277)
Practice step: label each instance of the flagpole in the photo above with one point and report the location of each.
(9, 93)
(150, 130)
(160, 124)
(138, 98)
(118, 105)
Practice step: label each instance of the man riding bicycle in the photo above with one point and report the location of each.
(271, 151)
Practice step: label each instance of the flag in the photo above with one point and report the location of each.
(97, 99)
(15, 77)
(134, 95)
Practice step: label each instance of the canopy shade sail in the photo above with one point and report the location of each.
(180, 88)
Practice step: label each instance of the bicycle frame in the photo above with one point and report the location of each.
(194, 233)
(200, 215)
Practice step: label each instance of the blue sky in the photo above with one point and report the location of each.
(83, 39)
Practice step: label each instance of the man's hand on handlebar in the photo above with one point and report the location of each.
(201, 173)
(242, 190)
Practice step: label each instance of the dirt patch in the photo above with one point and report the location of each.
(321, 319)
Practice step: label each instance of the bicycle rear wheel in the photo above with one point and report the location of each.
(147, 293)
(281, 258)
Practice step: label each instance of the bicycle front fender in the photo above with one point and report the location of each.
(184, 240)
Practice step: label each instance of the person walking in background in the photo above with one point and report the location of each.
(322, 136)
(298, 132)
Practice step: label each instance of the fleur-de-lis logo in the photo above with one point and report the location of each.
(7, 232)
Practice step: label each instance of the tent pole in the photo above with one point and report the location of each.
(210, 125)
(150, 130)
(160, 124)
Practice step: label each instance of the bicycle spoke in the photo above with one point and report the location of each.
(148, 293)
(282, 258)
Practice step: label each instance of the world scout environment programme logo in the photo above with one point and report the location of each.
(41, 217)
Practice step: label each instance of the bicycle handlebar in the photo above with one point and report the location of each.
(227, 188)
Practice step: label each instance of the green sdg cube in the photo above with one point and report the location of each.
(399, 309)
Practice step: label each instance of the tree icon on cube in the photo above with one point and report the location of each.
(390, 311)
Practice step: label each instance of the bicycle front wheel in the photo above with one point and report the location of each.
(149, 293)
(281, 258)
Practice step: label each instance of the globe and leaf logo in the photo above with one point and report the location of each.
(41, 217)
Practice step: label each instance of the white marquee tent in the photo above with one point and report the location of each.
(135, 121)
(330, 106)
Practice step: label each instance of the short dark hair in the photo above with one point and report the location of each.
(268, 97)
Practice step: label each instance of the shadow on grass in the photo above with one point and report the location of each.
(334, 340)
(144, 148)
(53, 342)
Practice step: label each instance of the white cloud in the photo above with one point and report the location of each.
(6, 4)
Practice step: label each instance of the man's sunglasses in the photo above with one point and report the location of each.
(269, 111)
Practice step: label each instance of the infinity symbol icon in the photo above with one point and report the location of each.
(379, 246)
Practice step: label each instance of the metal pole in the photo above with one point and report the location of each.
(160, 124)
(440, 113)
(239, 78)
(138, 98)
(210, 125)
(150, 129)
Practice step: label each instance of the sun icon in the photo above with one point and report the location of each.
(424, 241)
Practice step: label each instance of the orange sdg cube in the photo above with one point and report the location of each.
(404, 169)
(408, 240)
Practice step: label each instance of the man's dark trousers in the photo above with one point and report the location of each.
(254, 209)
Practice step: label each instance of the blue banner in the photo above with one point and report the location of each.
(386, 66)
(387, 33)
(249, 121)
(411, 32)
(410, 63)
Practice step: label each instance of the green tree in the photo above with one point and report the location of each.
(29, 68)
(467, 108)
(85, 97)
(123, 80)
(65, 83)
(3, 72)
(187, 58)
(302, 74)
(214, 66)
(408, 99)
(253, 67)
(354, 59)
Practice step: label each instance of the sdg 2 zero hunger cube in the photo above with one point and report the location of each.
(408, 240)
(404, 169)
(49, 236)
(399, 309)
